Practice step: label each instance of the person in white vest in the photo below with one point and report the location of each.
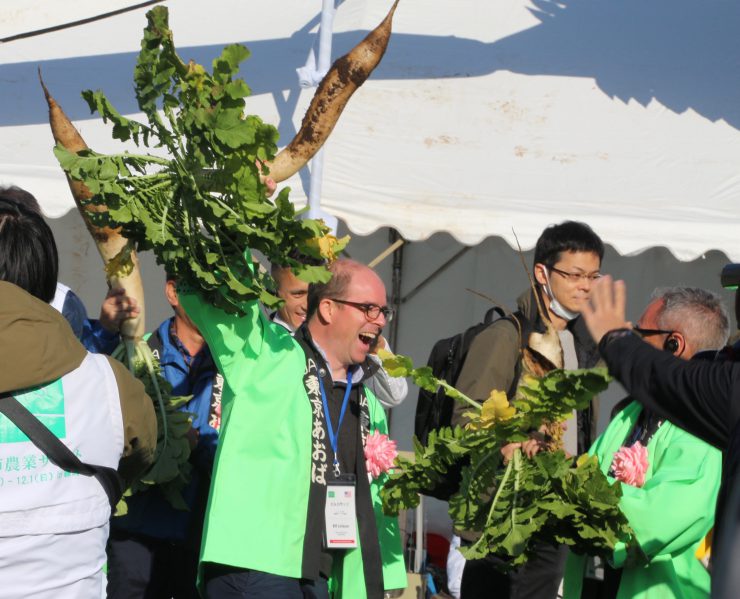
(54, 523)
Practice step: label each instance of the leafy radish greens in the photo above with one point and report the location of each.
(204, 204)
(201, 204)
(514, 506)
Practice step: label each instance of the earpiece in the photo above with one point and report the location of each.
(671, 345)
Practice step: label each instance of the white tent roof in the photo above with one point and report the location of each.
(485, 116)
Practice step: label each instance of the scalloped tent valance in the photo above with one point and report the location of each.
(484, 118)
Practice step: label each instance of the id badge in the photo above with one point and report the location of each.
(339, 513)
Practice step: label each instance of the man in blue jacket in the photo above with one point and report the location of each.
(153, 550)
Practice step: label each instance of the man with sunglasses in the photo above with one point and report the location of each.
(389, 391)
(292, 511)
(567, 261)
(682, 321)
(700, 396)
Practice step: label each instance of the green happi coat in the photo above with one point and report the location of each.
(257, 509)
(670, 514)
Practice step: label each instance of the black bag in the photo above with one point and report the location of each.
(434, 410)
(57, 452)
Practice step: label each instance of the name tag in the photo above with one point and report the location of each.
(340, 515)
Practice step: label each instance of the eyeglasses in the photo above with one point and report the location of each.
(575, 277)
(650, 332)
(371, 311)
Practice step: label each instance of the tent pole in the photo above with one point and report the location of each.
(396, 278)
(394, 236)
(386, 252)
(317, 164)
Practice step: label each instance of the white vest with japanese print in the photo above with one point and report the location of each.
(50, 518)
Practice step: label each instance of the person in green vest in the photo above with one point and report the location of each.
(670, 479)
(388, 390)
(293, 512)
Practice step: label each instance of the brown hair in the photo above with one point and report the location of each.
(341, 277)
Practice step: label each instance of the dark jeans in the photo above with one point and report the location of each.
(146, 568)
(224, 582)
(537, 579)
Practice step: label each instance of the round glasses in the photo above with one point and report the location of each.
(371, 311)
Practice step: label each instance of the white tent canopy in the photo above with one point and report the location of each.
(484, 118)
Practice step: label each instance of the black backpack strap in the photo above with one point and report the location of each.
(495, 311)
(58, 453)
(521, 324)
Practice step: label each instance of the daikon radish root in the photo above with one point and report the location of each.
(113, 247)
(344, 77)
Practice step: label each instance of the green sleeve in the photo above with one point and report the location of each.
(228, 336)
(389, 534)
(675, 508)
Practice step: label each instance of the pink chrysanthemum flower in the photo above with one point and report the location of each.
(630, 464)
(380, 452)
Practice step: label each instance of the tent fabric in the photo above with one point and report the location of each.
(485, 118)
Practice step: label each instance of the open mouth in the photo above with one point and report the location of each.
(367, 338)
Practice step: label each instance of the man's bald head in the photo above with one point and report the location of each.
(346, 315)
(342, 272)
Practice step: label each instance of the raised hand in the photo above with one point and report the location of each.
(605, 310)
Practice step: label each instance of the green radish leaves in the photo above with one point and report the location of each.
(170, 469)
(200, 200)
(514, 505)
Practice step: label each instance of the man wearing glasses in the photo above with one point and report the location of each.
(389, 391)
(291, 504)
(567, 262)
(682, 321)
(701, 397)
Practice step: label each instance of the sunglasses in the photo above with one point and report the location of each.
(650, 332)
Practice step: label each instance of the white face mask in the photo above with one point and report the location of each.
(557, 308)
